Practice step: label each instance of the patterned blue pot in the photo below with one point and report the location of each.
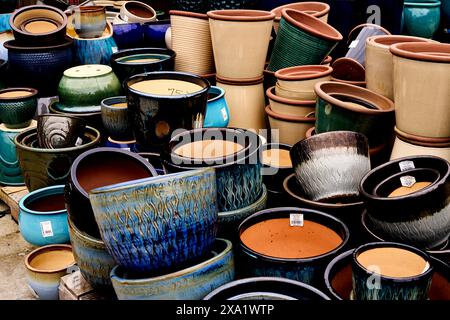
(217, 112)
(192, 283)
(157, 223)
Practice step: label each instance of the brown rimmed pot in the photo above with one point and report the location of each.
(289, 107)
(319, 10)
(350, 71)
(137, 12)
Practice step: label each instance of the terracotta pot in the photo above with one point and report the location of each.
(421, 88)
(136, 11)
(319, 10)
(349, 71)
(240, 41)
(379, 63)
(191, 40)
(289, 107)
(246, 103)
(290, 129)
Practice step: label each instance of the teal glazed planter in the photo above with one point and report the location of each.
(17, 110)
(160, 222)
(217, 112)
(422, 18)
(192, 283)
(302, 40)
(43, 217)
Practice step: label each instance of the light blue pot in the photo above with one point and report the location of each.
(421, 19)
(4, 22)
(43, 227)
(217, 112)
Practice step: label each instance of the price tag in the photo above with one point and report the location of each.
(224, 114)
(46, 229)
(354, 44)
(114, 49)
(406, 165)
(296, 219)
(407, 181)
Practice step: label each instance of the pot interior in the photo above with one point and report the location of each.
(354, 102)
(139, 10)
(38, 14)
(46, 202)
(15, 94)
(143, 58)
(40, 26)
(48, 259)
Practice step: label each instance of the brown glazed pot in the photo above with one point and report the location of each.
(350, 71)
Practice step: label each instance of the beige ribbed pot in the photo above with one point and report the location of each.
(246, 103)
(191, 40)
(319, 10)
(379, 63)
(289, 107)
(422, 88)
(240, 42)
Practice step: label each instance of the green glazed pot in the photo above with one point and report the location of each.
(302, 40)
(17, 107)
(422, 18)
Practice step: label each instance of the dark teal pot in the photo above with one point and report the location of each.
(422, 18)
(18, 112)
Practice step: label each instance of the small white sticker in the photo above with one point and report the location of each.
(46, 229)
(224, 114)
(114, 49)
(354, 44)
(406, 165)
(296, 219)
(408, 181)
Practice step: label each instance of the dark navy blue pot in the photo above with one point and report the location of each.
(128, 35)
(155, 33)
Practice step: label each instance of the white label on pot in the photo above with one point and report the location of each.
(224, 114)
(406, 165)
(408, 181)
(296, 219)
(354, 44)
(46, 229)
(114, 49)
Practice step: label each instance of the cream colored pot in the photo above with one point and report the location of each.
(289, 107)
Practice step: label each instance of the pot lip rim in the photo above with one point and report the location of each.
(272, 96)
(124, 10)
(189, 14)
(190, 269)
(61, 247)
(240, 82)
(428, 4)
(333, 34)
(244, 15)
(108, 106)
(330, 266)
(401, 50)
(33, 92)
(132, 51)
(94, 8)
(83, 235)
(12, 45)
(373, 40)
(290, 73)
(271, 114)
(23, 207)
(411, 138)
(218, 97)
(56, 110)
(318, 14)
(329, 99)
(260, 200)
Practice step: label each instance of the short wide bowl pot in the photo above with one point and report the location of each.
(420, 218)
(17, 111)
(308, 270)
(156, 223)
(192, 282)
(43, 216)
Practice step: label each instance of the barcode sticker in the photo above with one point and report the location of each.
(296, 219)
(114, 49)
(406, 165)
(354, 44)
(224, 114)
(46, 229)
(407, 181)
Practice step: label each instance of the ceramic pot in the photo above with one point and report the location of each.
(59, 131)
(286, 106)
(192, 281)
(350, 71)
(266, 288)
(424, 113)
(43, 216)
(240, 42)
(127, 63)
(288, 129)
(308, 269)
(155, 33)
(302, 40)
(43, 278)
(106, 164)
(8, 6)
(115, 118)
(198, 6)
(38, 26)
(174, 222)
(90, 21)
(136, 11)
(46, 167)
(94, 261)
(422, 18)
(379, 63)
(154, 117)
(217, 112)
(4, 37)
(128, 35)
(28, 64)
(232, 4)
(17, 107)
(342, 106)
(277, 165)
(426, 209)
(191, 40)
(249, 94)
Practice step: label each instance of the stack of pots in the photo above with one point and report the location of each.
(240, 40)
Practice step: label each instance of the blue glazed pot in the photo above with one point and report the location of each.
(160, 222)
(155, 33)
(128, 35)
(4, 20)
(43, 217)
(192, 283)
(217, 112)
(422, 19)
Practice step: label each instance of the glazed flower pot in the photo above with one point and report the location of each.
(191, 281)
(277, 165)
(199, 6)
(217, 112)
(248, 95)
(285, 106)
(349, 71)
(136, 11)
(266, 288)
(240, 41)
(97, 168)
(290, 256)
(181, 220)
(302, 40)
(421, 107)
(422, 18)
(43, 217)
(59, 131)
(128, 35)
(288, 129)
(343, 106)
(379, 63)
(115, 118)
(175, 100)
(191, 40)
(408, 211)
(44, 268)
(46, 167)
(90, 21)
(4, 37)
(155, 33)
(17, 107)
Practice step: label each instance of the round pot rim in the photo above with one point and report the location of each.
(52, 108)
(429, 3)
(83, 235)
(44, 248)
(330, 266)
(94, 8)
(297, 210)
(332, 34)
(272, 96)
(277, 146)
(38, 191)
(140, 4)
(405, 50)
(318, 14)
(240, 82)
(440, 142)
(128, 142)
(377, 41)
(125, 52)
(287, 118)
(109, 33)
(33, 92)
(255, 204)
(241, 15)
(220, 96)
(58, 115)
(189, 14)
(295, 73)
(14, 46)
(104, 103)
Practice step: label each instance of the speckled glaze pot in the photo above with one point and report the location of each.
(307, 270)
(422, 18)
(115, 118)
(319, 10)
(178, 212)
(17, 111)
(192, 282)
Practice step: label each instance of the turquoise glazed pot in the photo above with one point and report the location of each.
(43, 216)
(156, 223)
(17, 111)
(217, 112)
(422, 18)
(192, 283)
